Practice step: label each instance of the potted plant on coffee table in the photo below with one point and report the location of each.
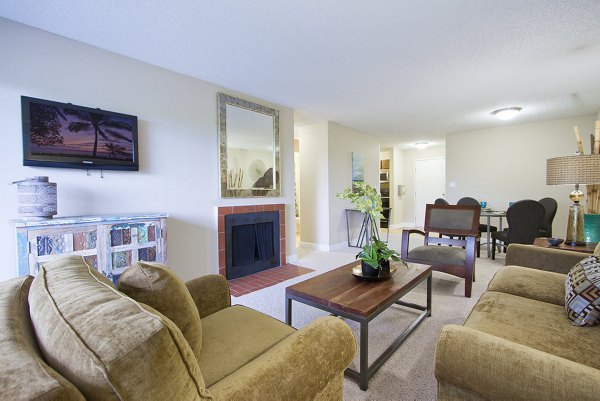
(375, 255)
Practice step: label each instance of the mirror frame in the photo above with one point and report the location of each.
(223, 101)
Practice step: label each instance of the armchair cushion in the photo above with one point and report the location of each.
(442, 254)
(530, 283)
(582, 288)
(235, 336)
(155, 285)
(97, 338)
(306, 365)
(538, 325)
(25, 374)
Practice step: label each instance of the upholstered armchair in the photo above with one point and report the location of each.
(458, 256)
(550, 207)
(68, 334)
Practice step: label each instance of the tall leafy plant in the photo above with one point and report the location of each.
(367, 200)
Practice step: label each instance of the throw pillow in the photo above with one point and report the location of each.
(107, 344)
(582, 289)
(155, 285)
(597, 250)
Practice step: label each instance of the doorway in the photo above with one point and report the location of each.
(430, 184)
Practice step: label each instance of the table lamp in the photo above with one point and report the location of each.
(579, 169)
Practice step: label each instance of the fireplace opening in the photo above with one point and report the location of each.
(251, 243)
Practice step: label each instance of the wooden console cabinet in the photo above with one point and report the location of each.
(109, 243)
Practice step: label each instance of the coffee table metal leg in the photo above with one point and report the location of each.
(429, 279)
(364, 355)
(288, 311)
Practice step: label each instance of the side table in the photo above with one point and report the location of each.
(587, 248)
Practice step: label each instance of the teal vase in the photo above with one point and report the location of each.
(591, 223)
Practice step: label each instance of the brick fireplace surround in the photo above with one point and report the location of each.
(225, 210)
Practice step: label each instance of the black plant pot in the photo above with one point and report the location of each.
(368, 271)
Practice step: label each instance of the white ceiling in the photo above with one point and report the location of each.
(403, 70)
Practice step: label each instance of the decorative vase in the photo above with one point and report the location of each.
(592, 227)
(36, 198)
(368, 271)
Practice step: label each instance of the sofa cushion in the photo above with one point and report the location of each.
(107, 344)
(155, 285)
(582, 288)
(535, 324)
(597, 250)
(25, 375)
(530, 283)
(233, 337)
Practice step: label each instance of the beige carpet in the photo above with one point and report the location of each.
(408, 374)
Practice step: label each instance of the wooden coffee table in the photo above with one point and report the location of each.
(342, 294)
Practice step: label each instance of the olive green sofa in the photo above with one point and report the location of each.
(69, 334)
(517, 343)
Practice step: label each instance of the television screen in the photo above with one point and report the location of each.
(64, 135)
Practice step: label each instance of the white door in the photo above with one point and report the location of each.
(430, 184)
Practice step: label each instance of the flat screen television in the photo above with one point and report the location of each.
(64, 135)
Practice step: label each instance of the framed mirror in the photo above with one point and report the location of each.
(248, 148)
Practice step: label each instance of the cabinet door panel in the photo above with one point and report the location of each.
(48, 244)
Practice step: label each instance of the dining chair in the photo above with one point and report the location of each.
(441, 201)
(482, 227)
(458, 259)
(524, 218)
(550, 206)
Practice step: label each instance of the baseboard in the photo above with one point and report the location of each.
(318, 247)
(401, 225)
(293, 259)
(323, 247)
(338, 246)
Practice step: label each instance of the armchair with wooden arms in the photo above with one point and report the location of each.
(458, 259)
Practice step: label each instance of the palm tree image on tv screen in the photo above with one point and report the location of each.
(68, 132)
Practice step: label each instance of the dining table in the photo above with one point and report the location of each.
(488, 214)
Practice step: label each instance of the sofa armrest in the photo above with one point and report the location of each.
(297, 368)
(499, 369)
(210, 293)
(552, 260)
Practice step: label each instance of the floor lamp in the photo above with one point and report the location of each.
(581, 169)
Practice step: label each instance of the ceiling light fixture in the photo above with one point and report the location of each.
(506, 114)
(421, 145)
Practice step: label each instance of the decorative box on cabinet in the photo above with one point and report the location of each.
(109, 243)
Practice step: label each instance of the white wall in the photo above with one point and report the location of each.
(408, 167)
(399, 169)
(508, 163)
(314, 182)
(342, 142)
(177, 134)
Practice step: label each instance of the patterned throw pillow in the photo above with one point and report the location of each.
(582, 289)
